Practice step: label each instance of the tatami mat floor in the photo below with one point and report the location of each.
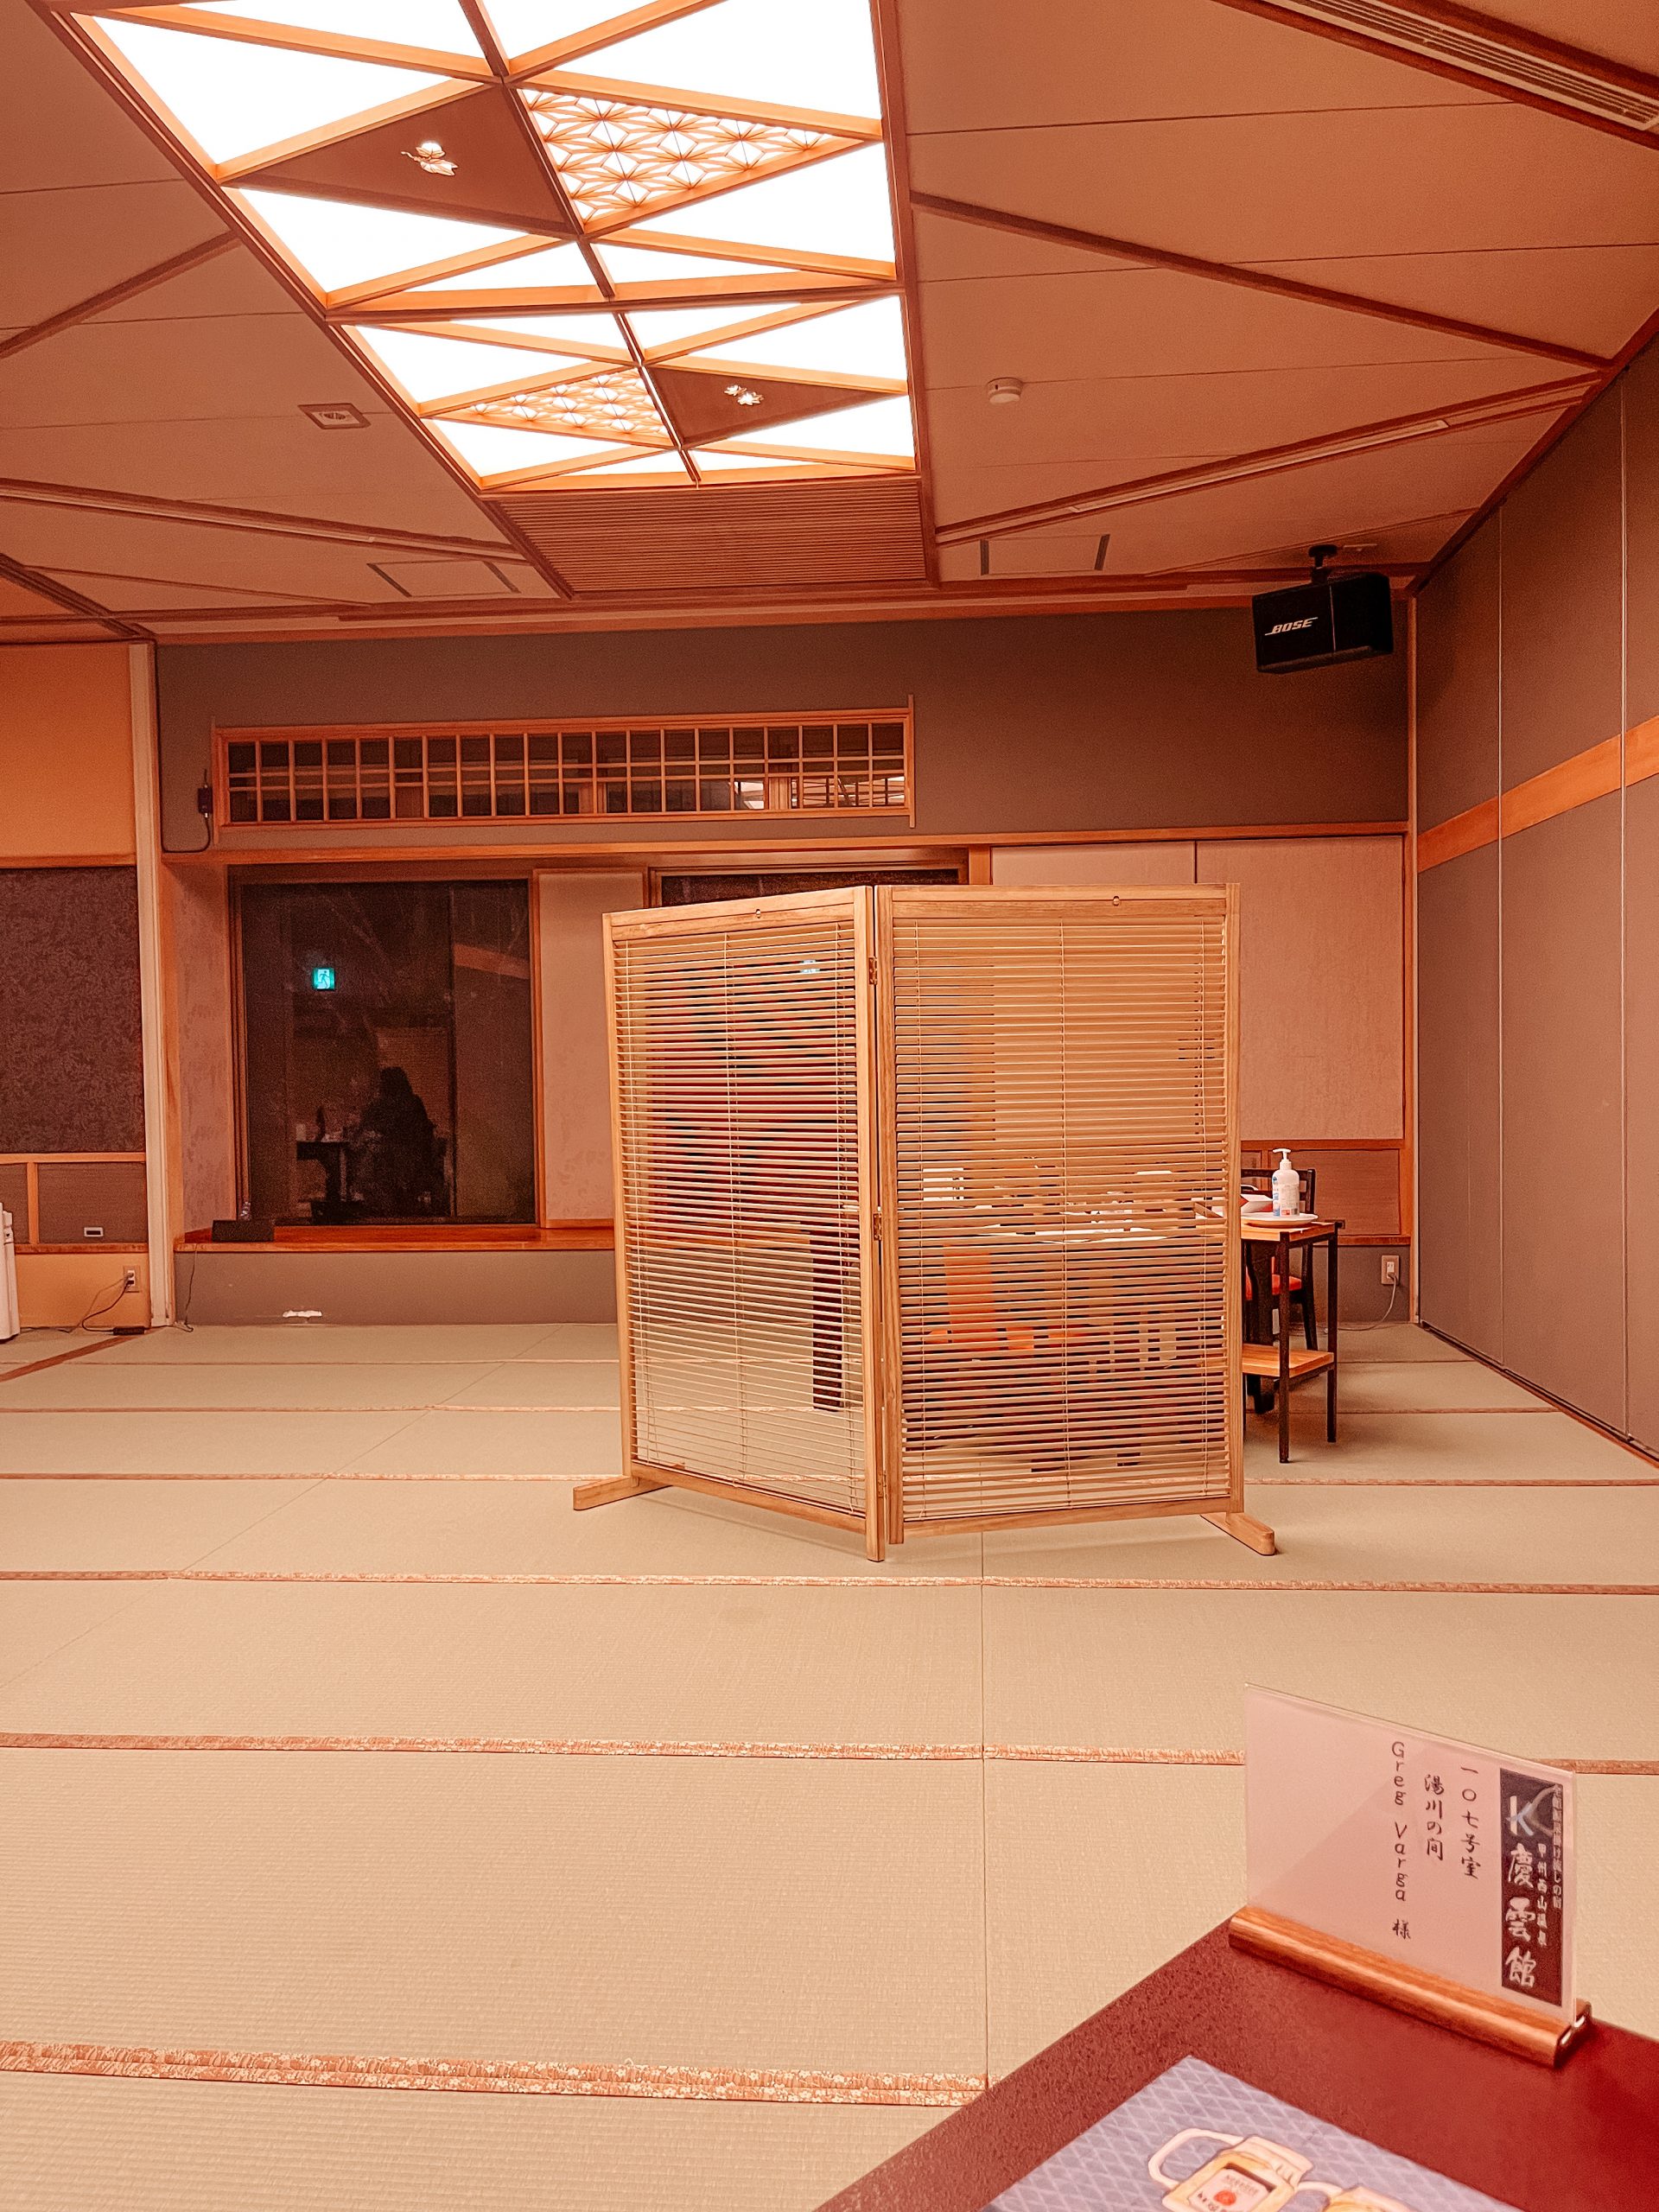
(335, 1741)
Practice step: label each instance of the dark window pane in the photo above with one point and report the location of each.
(240, 758)
(399, 1089)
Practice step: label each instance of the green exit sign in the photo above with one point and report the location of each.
(322, 979)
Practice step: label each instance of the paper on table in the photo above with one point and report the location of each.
(1432, 1854)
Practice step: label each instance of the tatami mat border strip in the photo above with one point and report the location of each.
(1275, 1481)
(583, 1747)
(1303, 1585)
(56, 1360)
(519, 2077)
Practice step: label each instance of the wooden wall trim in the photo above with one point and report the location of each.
(744, 853)
(152, 993)
(1594, 773)
(68, 859)
(1590, 774)
(1458, 834)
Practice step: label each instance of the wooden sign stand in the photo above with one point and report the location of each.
(1446, 2004)
(978, 1148)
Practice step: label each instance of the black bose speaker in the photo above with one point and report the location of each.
(1313, 625)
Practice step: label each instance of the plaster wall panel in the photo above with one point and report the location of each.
(66, 753)
(1459, 1250)
(569, 949)
(1170, 860)
(1642, 1097)
(1321, 984)
(1071, 721)
(1562, 600)
(1640, 390)
(199, 923)
(1563, 1185)
(1458, 682)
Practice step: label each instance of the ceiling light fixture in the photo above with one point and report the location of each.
(337, 415)
(742, 395)
(430, 156)
(1003, 391)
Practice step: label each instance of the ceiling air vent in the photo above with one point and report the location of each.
(1479, 52)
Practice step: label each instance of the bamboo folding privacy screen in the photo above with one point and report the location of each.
(926, 1205)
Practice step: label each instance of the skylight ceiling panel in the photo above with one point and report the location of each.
(599, 336)
(821, 56)
(866, 340)
(627, 266)
(550, 269)
(525, 26)
(878, 426)
(340, 244)
(235, 99)
(439, 26)
(491, 451)
(440, 368)
(666, 331)
(839, 207)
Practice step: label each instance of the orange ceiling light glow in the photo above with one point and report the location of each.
(586, 244)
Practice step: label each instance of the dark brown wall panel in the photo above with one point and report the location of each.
(77, 1195)
(1562, 599)
(1022, 722)
(1457, 682)
(1459, 1255)
(1563, 1118)
(1641, 393)
(1642, 1082)
(71, 1059)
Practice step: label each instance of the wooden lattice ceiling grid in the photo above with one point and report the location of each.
(641, 250)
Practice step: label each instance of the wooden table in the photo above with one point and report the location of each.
(1578, 2139)
(1284, 1364)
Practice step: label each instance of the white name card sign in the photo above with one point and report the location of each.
(1430, 1874)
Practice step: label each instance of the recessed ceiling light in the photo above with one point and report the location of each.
(1002, 391)
(430, 156)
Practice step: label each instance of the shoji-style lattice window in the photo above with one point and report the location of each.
(476, 772)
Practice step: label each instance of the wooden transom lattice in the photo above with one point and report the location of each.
(447, 771)
(927, 1211)
(593, 244)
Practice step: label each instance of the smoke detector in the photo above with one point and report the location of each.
(1003, 391)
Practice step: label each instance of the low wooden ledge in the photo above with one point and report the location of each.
(441, 1236)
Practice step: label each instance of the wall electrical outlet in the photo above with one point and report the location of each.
(1390, 1267)
(132, 1278)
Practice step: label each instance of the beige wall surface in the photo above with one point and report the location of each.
(66, 753)
(569, 941)
(1321, 984)
(198, 933)
(1068, 721)
(1169, 860)
(1538, 653)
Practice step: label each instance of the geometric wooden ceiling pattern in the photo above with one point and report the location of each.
(621, 305)
(671, 225)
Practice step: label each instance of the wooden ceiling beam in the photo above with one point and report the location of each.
(889, 63)
(72, 601)
(1255, 280)
(1269, 460)
(332, 45)
(256, 521)
(113, 295)
(1526, 45)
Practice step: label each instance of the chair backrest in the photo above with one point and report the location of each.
(1260, 1178)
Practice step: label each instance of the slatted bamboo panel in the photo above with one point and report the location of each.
(927, 1206)
(1059, 1188)
(740, 1039)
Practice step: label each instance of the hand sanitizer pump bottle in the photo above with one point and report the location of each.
(1286, 1185)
